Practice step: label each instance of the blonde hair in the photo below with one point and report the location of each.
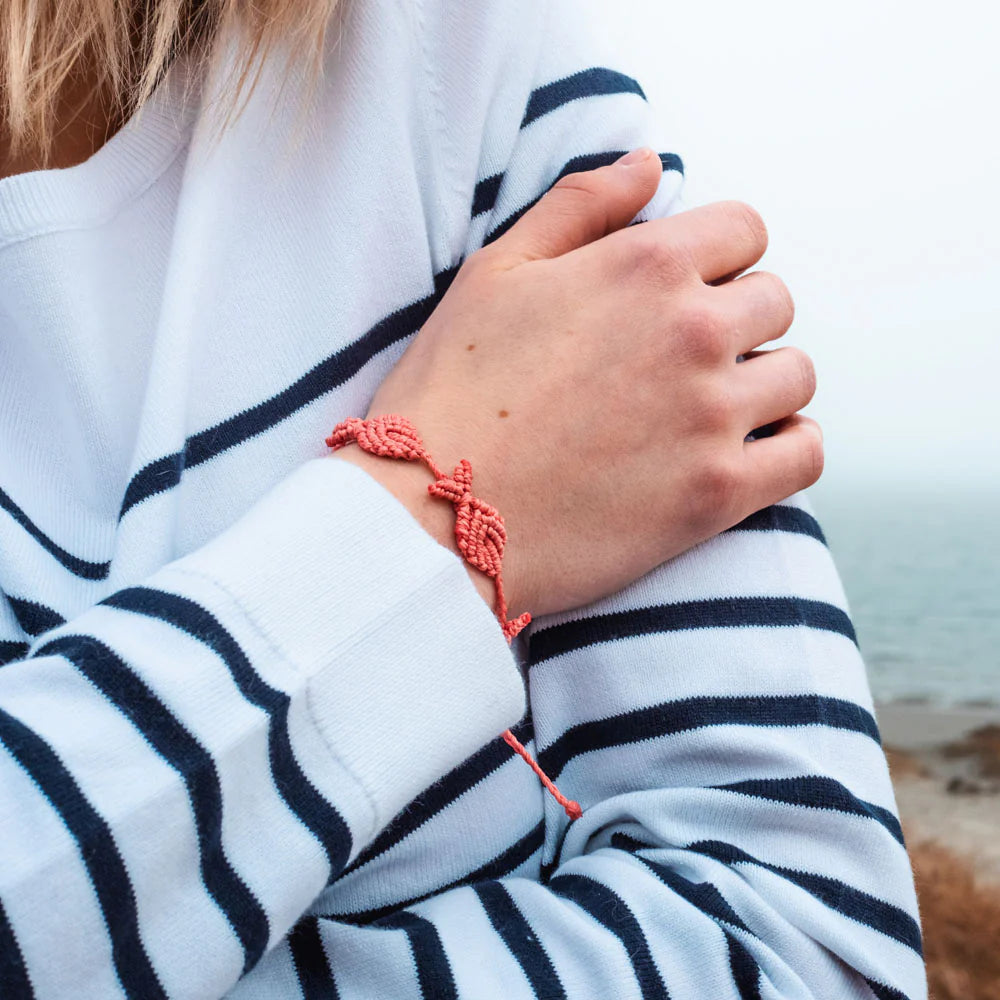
(125, 46)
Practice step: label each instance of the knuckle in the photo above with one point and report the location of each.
(783, 303)
(478, 265)
(801, 375)
(718, 410)
(718, 484)
(806, 373)
(702, 331)
(810, 458)
(787, 302)
(583, 184)
(657, 260)
(748, 224)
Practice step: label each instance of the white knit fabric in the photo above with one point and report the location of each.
(249, 709)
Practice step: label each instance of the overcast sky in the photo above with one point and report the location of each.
(866, 134)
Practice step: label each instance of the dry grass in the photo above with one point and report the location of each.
(903, 764)
(961, 922)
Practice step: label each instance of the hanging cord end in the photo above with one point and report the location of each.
(572, 807)
(515, 625)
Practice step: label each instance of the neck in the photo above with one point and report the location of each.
(85, 119)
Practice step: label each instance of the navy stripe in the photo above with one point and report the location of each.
(626, 842)
(587, 161)
(13, 973)
(610, 910)
(884, 992)
(671, 161)
(311, 964)
(782, 518)
(335, 370)
(816, 792)
(433, 971)
(77, 566)
(33, 617)
(165, 734)
(485, 195)
(521, 940)
(744, 967)
(839, 896)
(695, 713)
(155, 477)
(98, 852)
(10, 651)
(443, 793)
(507, 861)
(594, 82)
(716, 612)
(315, 812)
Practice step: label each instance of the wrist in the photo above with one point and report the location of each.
(407, 482)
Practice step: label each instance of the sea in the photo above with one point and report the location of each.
(922, 575)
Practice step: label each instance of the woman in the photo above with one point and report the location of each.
(251, 707)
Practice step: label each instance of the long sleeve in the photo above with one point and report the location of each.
(186, 765)
(740, 836)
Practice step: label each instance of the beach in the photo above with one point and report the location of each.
(945, 766)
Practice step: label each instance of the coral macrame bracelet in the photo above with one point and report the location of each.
(479, 530)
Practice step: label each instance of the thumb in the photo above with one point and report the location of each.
(580, 208)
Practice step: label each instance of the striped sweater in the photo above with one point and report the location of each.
(250, 710)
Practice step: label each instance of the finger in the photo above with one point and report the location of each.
(715, 241)
(760, 307)
(580, 208)
(774, 384)
(789, 460)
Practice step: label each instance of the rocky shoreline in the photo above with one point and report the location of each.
(945, 767)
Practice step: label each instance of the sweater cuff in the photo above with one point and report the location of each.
(405, 666)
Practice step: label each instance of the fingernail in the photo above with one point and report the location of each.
(639, 155)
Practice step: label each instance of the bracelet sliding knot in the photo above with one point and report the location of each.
(480, 532)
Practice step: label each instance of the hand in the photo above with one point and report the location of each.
(587, 369)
